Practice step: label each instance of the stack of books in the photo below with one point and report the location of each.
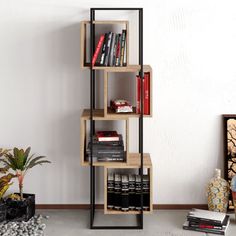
(124, 192)
(207, 221)
(111, 50)
(108, 146)
(121, 106)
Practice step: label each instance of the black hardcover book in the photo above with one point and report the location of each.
(102, 59)
(146, 193)
(124, 193)
(108, 48)
(106, 159)
(132, 194)
(114, 51)
(138, 192)
(110, 62)
(110, 191)
(123, 39)
(117, 192)
(118, 50)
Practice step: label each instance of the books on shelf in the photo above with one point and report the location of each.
(121, 106)
(106, 151)
(124, 192)
(107, 136)
(146, 94)
(207, 221)
(112, 48)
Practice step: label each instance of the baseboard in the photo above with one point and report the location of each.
(100, 206)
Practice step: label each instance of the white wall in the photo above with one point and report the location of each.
(191, 47)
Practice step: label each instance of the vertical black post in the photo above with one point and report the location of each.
(141, 74)
(92, 98)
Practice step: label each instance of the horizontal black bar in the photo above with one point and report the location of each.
(116, 227)
(116, 9)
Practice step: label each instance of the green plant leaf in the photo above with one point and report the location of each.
(33, 161)
(37, 163)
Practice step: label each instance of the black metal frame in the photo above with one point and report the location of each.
(92, 122)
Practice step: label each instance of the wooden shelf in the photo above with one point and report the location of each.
(84, 40)
(115, 212)
(133, 161)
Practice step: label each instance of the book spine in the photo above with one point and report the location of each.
(204, 226)
(98, 48)
(102, 59)
(108, 139)
(125, 52)
(138, 94)
(117, 192)
(118, 50)
(204, 230)
(204, 221)
(132, 195)
(138, 192)
(110, 191)
(146, 109)
(123, 36)
(124, 193)
(146, 193)
(108, 49)
(112, 49)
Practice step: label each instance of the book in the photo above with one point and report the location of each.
(108, 48)
(146, 94)
(209, 224)
(110, 63)
(125, 53)
(146, 193)
(102, 59)
(110, 191)
(124, 193)
(117, 192)
(138, 192)
(206, 216)
(107, 136)
(105, 159)
(98, 48)
(138, 94)
(123, 39)
(118, 50)
(121, 106)
(132, 196)
(115, 48)
(187, 226)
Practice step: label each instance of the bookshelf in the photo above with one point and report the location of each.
(139, 161)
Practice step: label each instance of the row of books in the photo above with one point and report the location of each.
(146, 94)
(207, 221)
(124, 192)
(111, 50)
(108, 146)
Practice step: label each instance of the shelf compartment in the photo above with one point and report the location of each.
(83, 138)
(133, 165)
(108, 26)
(108, 112)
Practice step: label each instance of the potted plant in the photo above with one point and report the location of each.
(20, 161)
(5, 182)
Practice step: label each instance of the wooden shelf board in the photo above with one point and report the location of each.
(112, 113)
(129, 68)
(116, 212)
(106, 22)
(133, 161)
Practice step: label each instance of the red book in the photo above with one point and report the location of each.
(104, 136)
(99, 45)
(138, 94)
(146, 110)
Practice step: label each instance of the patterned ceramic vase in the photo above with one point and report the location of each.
(218, 193)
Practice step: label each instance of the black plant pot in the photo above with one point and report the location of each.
(3, 211)
(18, 210)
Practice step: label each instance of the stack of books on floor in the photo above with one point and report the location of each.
(207, 221)
(124, 192)
(108, 146)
